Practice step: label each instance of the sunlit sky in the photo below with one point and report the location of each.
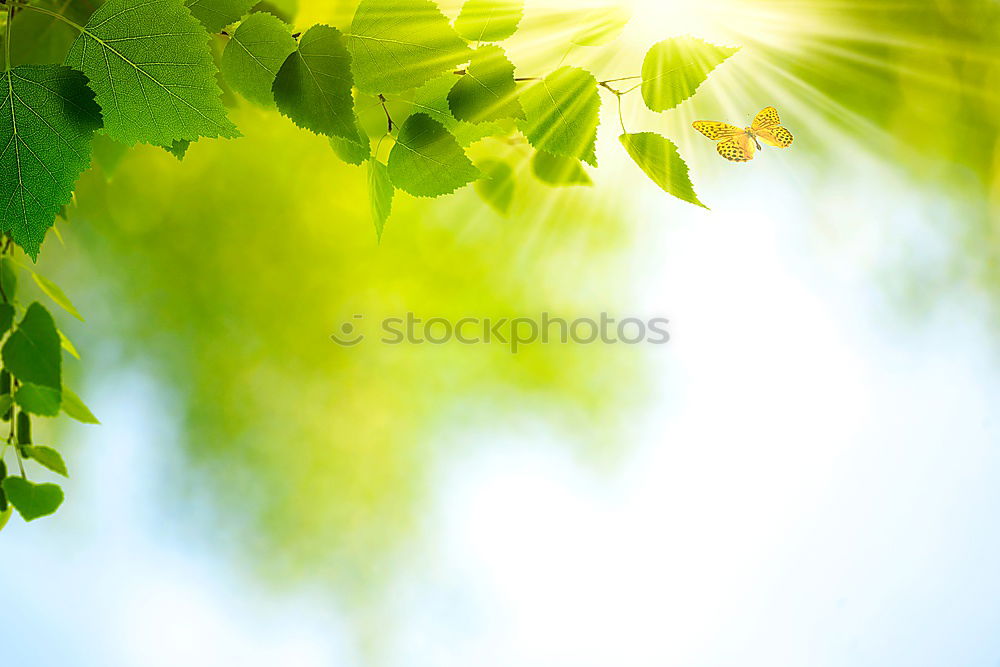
(813, 485)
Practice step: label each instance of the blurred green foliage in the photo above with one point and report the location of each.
(225, 277)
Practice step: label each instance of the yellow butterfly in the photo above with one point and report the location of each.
(734, 143)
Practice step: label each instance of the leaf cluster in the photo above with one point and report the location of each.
(153, 71)
(32, 386)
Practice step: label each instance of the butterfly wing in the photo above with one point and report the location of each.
(776, 136)
(737, 148)
(766, 119)
(716, 131)
(767, 127)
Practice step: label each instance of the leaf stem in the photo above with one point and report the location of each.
(6, 38)
(618, 95)
(48, 12)
(17, 448)
(622, 78)
(566, 55)
(603, 84)
(462, 72)
(621, 119)
(382, 101)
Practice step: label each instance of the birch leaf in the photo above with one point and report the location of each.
(152, 71)
(658, 157)
(400, 44)
(313, 86)
(217, 14)
(427, 161)
(47, 120)
(674, 68)
(562, 113)
(487, 90)
(489, 20)
(254, 55)
(380, 193)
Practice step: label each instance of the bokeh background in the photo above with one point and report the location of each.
(806, 474)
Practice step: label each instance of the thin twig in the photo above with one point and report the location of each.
(622, 78)
(17, 445)
(382, 101)
(604, 84)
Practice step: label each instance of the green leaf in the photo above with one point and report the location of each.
(5, 515)
(153, 73)
(313, 87)
(217, 14)
(254, 55)
(47, 119)
(49, 458)
(489, 20)
(496, 185)
(352, 152)
(674, 68)
(427, 161)
(6, 400)
(32, 501)
(67, 345)
(380, 192)
(400, 44)
(658, 157)
(559, 170)
(55, 293)
(8, 279)
(487, 90)
(178, 149)
(432, 99)
(602, 25)
(562, 114)
(32, 352)
(6, 319)
(76, 408)
(43, 401)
